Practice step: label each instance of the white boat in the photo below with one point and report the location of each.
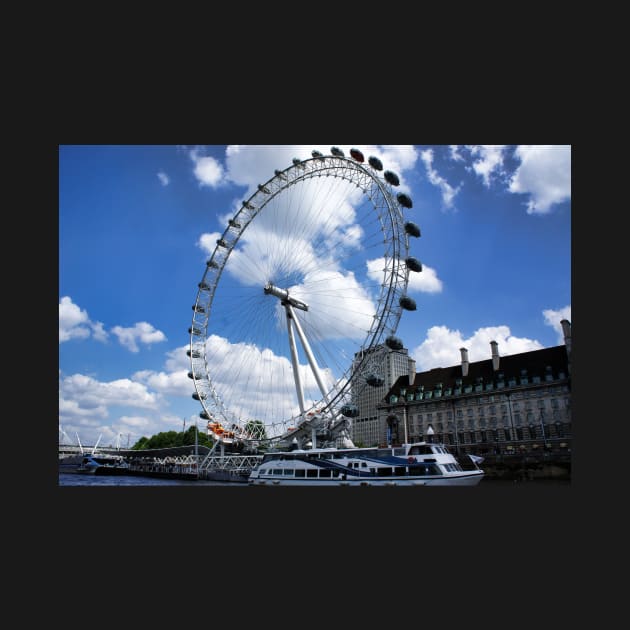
(416, 464)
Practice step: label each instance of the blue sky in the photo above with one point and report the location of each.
(137, 224)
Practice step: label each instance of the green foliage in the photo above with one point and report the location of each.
(168, 439)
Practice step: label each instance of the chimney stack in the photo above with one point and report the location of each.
(495, 355)
(412, 370)
(566, 331)
(464, 361)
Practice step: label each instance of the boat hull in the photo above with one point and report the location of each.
(463, 480)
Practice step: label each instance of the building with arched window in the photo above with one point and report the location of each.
(510, 404)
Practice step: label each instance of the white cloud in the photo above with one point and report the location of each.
(441, 346)
(142, 332)
(448, 192)
(208, 242)
(250, 165)
(207, 170)
(173, 383)
(489, 160)
(87, 393)
(544, 174)
(425, 281)
(454, 152)
(256, 383)
(164, 178)
(553, 319)
(75, 323)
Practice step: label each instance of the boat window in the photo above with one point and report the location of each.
(335, 473)
(299, 472)
(288, 471)
(400, 471)
(277, 471)
(325, 472)
(420, 449)
(311, 473)
(384, 472)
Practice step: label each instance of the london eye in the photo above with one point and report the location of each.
(309, 275)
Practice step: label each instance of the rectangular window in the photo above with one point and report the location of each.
(311, 473)
(325, 472)
(299, 472)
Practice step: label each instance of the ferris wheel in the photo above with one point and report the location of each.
(309, 276)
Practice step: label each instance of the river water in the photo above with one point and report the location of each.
(69, 479)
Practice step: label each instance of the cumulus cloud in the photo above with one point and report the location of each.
(425, 281)
(448, 192)
(142, 332)
(84, 403)
(441, 346)
(174, 383)
(250, 165)
(207, 170)
(544, 174)
(254, 382)
(208, 241)
(74, 323)
(488, 162)
(454, 151)
(164, 178)
(554, 317)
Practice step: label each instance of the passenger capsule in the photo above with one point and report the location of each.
(412, 229)
(191, 375)
(195, 354)
(357, 155)
(222, 242)
(204, 415)
(375, 163)
(392, 178)
(264, 189)
(280, 174)
(249, 206)
(211, 263)
(194, 331)
(337, 152)
(197, 396)
(413, 263)
(394, 343)
(198, 308)
(204, 286)
(317, 154)
(234, 224)
(374, 380)
(407, 303)
(350, 411)
(404, 200)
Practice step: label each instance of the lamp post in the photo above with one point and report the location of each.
(405, 423)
